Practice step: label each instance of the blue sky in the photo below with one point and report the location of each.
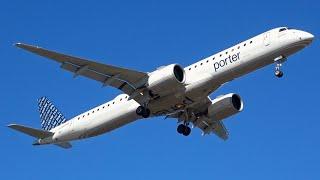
(275, 137)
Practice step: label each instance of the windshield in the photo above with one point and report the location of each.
(282, 29)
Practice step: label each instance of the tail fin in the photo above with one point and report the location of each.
(50, 116)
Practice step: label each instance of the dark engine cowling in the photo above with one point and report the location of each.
(225, 106)
(166, 79)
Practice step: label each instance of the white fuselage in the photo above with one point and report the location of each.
(202, 78)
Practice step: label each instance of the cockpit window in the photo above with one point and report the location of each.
(282, 29)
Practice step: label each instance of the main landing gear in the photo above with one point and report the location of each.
(143, 111)
(184, 129)
(279, 61)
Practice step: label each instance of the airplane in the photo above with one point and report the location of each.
(170, 91)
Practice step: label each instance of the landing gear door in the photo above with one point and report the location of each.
(266, 39)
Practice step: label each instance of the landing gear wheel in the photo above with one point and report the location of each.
(278, 73)
(180, 128)
(142, 111)
(183, 129)
(146, 113)
(187, 131)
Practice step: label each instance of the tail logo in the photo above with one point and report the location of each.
(50, 116)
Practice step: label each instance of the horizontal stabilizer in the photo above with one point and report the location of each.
(65, 145)
(37, 133)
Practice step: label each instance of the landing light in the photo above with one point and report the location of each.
(179, 106)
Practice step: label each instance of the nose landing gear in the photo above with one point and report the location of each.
(279, 61)
(278, 73)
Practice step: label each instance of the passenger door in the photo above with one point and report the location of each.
(71, 126)
(266, 39)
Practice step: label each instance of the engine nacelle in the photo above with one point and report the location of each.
(166, 79)
(225, 106)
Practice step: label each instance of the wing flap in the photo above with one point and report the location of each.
(103, 78)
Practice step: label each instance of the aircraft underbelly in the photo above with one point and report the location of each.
(109, 121)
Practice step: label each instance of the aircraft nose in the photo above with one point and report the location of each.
(305, 36)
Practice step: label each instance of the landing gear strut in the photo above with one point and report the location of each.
(279, 61)
(184, 129)
(143, 111)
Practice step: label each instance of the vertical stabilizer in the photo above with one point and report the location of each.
(50, 116)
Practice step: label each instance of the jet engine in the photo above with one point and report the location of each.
(166, 79)
(225, 106)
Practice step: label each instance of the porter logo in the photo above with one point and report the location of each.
(224, 62)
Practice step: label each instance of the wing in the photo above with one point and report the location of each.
(197, 116)
(123, 79)
(216, 127)
(220, 130)
(206, 124)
